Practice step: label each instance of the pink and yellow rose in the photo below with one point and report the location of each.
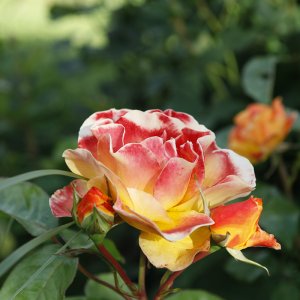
(259, 129)
(161, 170)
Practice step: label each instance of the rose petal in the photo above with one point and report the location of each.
(240, 220)
(61, 202)
(115, 131)
(262, 239)
(186, 119)
(227, 176)
(141, 125)
(86, 139)
(177, 255)
(147, 206)
(173, 181)
(156, 145)
(174, 226)
(183, 223)
(81, 162)
(136, 165)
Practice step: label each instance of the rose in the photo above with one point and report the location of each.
(259, 129)
(237, 225)
(162, 171)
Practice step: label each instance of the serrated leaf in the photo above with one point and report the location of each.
(29, 205)
(238, 255)
(193, 295)
(51, 283)
(258, 78)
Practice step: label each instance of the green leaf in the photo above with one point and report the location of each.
(238, 255)
(258, 78)
(29, 205)
(113, 250)
(76, 298)
(82, 240)
(14, 257)
(247, 273)
(50, 284)
(95, 291)
(194, 295)
(34, 174)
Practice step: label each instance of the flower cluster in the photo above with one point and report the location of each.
(162, 173)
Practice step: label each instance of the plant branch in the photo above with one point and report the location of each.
(102, 282)
(168, 283)
(142, 275)
(116, 266)
(166, 286)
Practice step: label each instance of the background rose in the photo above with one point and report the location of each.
(155, 163)
(259, 129)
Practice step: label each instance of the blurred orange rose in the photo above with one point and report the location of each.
(259, 129)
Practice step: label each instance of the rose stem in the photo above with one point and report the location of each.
(142, 275)
(165, 287)
(117, 267)
(102, 282)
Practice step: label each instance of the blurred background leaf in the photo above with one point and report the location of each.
(62, 60)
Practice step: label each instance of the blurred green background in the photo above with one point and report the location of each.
(61, 60)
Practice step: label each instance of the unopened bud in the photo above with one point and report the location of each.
(94, 212)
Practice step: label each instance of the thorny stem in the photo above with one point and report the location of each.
(142, 275)
(102, 282)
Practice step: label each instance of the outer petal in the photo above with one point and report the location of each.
(262, 239)
(177, 255)
(61, 202)
(227, 176)
(82, 162)
(240, 220)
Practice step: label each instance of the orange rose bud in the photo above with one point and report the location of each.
(238, 224)
(259, 129)
(94, 212)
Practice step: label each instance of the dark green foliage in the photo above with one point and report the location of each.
(207, 58)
